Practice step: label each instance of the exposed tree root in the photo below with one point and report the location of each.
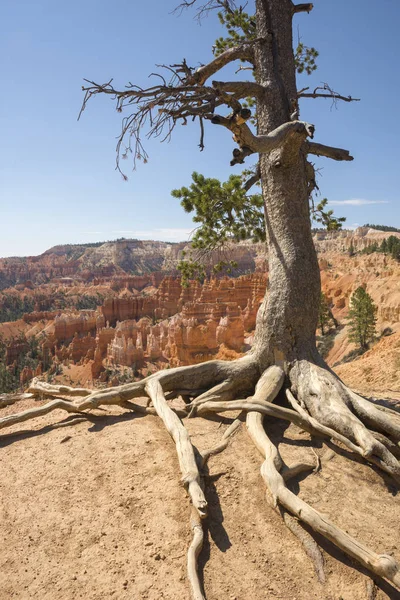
(193, 555)
(382, 565)
(8, 399)
(371, 590)
(310, 545)
(206, 454)
(328, 401)
(391, 446)
(382, 420)
(320, 405)
(184, 448)
(392, 468)
(196, 523)
(38, 388)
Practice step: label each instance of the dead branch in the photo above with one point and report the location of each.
(203, 9)
(328, 151)
(240, 89)
(242, 52)
(327, 92)
(307, 7)
(253, 179)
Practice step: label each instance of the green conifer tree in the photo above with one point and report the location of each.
(324, 314)
(362, 318)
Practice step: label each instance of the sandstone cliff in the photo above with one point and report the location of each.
(141, 317)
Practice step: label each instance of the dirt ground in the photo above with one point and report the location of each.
(93, 508)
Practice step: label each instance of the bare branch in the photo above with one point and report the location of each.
(332, 96)
(242, 68)
(328, 151)
(240, 89)
(242, 52)
(327, 92)
(180, 96)
(307, 7)
(253, 179)
(226, 5)
(158, 108)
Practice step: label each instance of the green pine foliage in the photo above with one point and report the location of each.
(305, 59)
(224, 213)
(241, 27)
(362, 318)
(328, 220)
(13, 307)
(29, 355)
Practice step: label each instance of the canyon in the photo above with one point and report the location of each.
(140, 317)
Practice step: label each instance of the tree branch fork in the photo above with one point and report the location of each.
(186, 95)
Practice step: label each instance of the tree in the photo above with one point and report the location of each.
(393, 247)
(325, 314)
(362, 318)
(284, 358)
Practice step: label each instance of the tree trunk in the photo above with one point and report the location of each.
(288, 316)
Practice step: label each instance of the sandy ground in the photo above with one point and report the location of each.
(92, 508)
(377, 369)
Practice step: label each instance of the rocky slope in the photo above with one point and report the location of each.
(133, 323)
(88, 262)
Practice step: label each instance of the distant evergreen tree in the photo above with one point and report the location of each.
(393, 246)
(324, 313)
(362, 318)
(390, 245)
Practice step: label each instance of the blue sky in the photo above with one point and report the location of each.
(57, 178)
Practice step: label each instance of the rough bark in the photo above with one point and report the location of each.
(285, 330)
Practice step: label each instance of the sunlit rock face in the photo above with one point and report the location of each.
(141, 317)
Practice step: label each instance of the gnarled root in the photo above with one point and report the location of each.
(193, 555)
(41, 388)
(196, 523)
(184, 448)
(330, 404)
(382, 565)
(310, 545)
(380, 418)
